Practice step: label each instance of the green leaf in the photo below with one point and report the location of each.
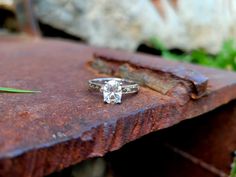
(233, 170)
(13, 90)
(157, 44)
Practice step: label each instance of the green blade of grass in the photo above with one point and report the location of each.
(13, 90)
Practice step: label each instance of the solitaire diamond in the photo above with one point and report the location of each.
(112, 92)
(113, 88)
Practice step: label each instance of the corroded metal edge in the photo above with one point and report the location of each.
(198, 80)
(164, 83)
(98, 141)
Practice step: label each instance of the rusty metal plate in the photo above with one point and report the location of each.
(65, 123)
(210, 139)
(201, 147)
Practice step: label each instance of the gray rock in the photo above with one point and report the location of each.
(123, 24)
(195, 24)
(107, 23)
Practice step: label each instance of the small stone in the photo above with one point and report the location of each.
(112, 92)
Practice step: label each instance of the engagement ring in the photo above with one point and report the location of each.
(113, 88)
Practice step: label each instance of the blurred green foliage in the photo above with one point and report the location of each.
(233, 170)
(225, 59)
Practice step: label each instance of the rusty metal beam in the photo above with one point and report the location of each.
(65, 123)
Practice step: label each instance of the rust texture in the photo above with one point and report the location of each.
(211, 138)
(163, 82)
(202, 147)
(65, 123)
(168, 76)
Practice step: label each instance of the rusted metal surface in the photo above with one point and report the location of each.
(65, 123)
(202, 147)
(182, 73)
(211, 138)
(179, 82)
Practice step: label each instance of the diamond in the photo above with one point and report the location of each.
(112, 92)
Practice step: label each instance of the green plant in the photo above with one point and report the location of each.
(225, 58)
(233, 169)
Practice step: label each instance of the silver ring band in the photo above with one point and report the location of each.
(127, 86)
(113, 88)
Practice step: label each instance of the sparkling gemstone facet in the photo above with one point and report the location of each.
(112, 92)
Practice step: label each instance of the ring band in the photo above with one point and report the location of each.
(127, 86)
(113, 88)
